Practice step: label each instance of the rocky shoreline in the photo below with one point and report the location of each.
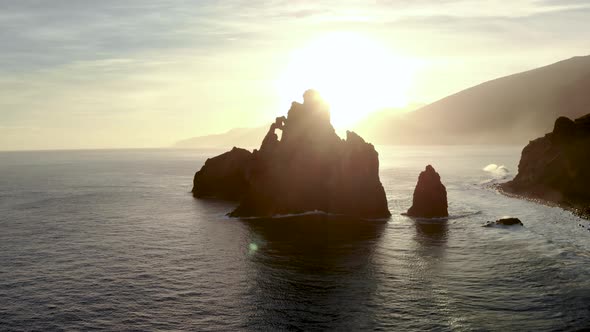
(553, 169)
(580, 210)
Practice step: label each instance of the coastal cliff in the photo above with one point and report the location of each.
(307, 168)
(554, 168)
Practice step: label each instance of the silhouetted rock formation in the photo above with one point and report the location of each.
(224, 176)
(555, 167)
(308, 169)
(504, 222)
(430, 196)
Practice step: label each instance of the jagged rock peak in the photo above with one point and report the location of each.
(310, 168)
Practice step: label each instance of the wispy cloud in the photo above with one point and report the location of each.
(36, 34)
(184, 67)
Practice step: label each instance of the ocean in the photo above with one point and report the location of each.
(112, 240)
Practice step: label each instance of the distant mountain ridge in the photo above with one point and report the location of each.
(511, 109)
(245, 137)
(507, 110)
(250, 137)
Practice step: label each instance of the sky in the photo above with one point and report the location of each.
(145, 73)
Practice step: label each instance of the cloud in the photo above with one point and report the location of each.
(536, 30)
(189, 67)
(37, 34)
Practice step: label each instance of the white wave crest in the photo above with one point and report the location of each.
(495, 169)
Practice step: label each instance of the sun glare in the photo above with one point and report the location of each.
(355, 74)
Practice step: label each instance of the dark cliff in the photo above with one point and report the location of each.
(555, 168)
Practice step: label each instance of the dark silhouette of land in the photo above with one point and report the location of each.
(430, 196)
(554, 168)
(247, 137)
(507, 110)
(309, 168)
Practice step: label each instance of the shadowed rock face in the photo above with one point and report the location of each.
(310, 168)
(430, 196)
(555, 167)
(224, 176)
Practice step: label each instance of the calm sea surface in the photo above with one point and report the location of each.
(112, 240)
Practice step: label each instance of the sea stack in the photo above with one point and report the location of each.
(309, 168)
(554, 168)
(430, 196)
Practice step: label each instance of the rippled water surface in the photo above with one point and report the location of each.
(112, 240)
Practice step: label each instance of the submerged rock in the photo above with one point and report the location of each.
(555, 168)
(504, 222)
(430, 196)
(308, 169)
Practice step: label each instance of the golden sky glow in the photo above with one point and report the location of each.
(355, 74)
(147, 73)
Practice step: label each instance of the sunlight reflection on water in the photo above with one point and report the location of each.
(112, 239)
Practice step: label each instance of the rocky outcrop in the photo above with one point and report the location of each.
(224, 176)
(504, 222)
(309, 168)
(554, 168)
(430, 196)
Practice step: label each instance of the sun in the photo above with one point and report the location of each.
(355, 74)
